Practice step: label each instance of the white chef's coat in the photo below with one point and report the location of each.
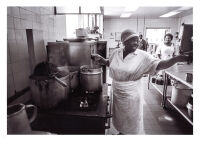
(127, 91)
(133, 66)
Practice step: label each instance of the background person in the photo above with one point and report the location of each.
(177, 43)
(166, 50)
(142, 43)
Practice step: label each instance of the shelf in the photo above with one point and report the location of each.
(182, 111)
(159, 88)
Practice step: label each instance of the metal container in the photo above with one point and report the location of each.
(47, 94)
(180, 94)
(79, 53)
(74, 80)
(74, 76)
(189, 77)
(190, 109)
(57, 53)
(91, 78)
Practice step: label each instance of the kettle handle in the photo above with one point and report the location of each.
(34, 115)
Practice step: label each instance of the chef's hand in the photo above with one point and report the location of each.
(97, 58)
(100, 60)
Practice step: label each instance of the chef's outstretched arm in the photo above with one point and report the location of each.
(100, 60)
(164, 64)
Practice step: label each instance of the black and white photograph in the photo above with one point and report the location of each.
(76, 69)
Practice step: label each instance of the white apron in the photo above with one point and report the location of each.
(127, 92)
(128, 107)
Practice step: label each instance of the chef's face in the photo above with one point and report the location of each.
(168, 39)
(132, 44)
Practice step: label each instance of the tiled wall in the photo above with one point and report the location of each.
(47, 26)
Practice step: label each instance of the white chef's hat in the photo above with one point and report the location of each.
(127, 34)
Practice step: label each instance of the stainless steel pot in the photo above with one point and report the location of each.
(91, 78)
(46, 94)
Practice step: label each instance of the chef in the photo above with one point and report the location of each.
(127, 66)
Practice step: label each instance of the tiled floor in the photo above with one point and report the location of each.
(159, 121)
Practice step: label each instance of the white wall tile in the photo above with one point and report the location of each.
(48, 29)
(9, 11)
(10, 22)
(24, 51)
(26, 14)
(17, 23)
(20, 74)
(26, 8)
(8, 55)
(10, 83)
(19, 34)
(15, 12)
(9, 69)
(26, 24)
(38, 18)
(14, 51)
(10, 34)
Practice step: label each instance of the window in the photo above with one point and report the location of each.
(75, 21)
(156, 35)
(81, 17)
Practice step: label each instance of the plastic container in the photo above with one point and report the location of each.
(180, 94)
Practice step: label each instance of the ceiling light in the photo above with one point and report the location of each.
(90, 9)
(130, 8)
(113, 10)
(124, 15)
(67, 9)
(169, 14)
(184, 8)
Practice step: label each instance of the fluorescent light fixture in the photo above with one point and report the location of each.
(113, 10)
(169, 14)
(125, 15)
(67, 9)
(184, 8)
(90, 9)
(130, 8)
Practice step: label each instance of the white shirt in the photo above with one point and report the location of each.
(165, 51)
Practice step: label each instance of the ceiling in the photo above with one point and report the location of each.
(147, 12)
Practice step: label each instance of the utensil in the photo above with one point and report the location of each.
(59, 81)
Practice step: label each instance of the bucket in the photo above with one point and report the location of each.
(180, 94)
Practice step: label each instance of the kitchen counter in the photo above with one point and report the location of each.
(69, 118)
